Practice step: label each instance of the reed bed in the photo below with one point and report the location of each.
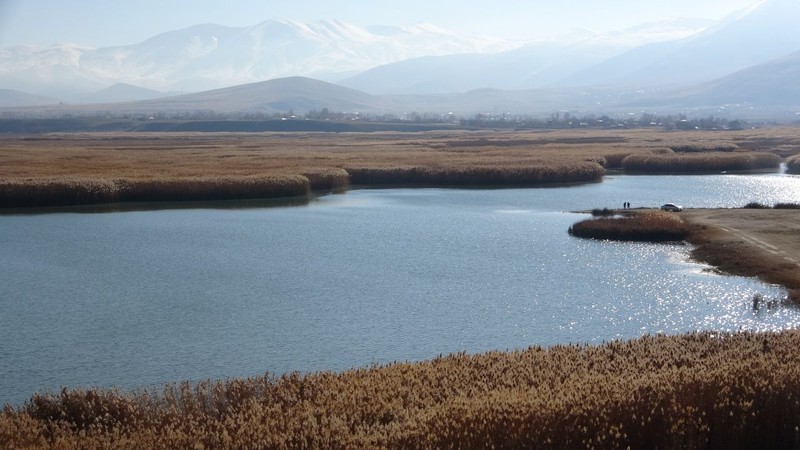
(701, 162)
(66, 191)
(701, 390)
(650, 226)
(615, 160)
(327, 179)
(694, 147)
(793, 164)
(82, 168)
(477, 176)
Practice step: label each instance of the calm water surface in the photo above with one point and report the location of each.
(134, 299)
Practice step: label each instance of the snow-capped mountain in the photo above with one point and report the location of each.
(211, 56)
(658, 63)
(670, 54)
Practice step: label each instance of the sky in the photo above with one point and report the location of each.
(101, 23)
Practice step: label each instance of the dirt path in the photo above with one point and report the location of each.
(752, 242)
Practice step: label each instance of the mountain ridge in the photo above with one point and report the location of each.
(746, 38)
(582, 71)
(210, 56)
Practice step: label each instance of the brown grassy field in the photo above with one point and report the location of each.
(60, 169)
(697, 391)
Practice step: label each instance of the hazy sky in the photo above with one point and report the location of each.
(99, 23)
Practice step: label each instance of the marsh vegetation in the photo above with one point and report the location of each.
(701, 390)
(96, 168)
(700, 162)
(793, 164)
(645, 226)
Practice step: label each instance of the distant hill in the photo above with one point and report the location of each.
(298, 94)
(765, 32)
(703, 52)
(122, 92)
(535, 65)
(766, 89)
(212, 56)
(773, 83)
(301, 95)
(10, 98)
(770, 86)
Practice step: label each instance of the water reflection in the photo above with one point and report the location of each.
(120, 207)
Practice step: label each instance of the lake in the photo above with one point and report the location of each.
(144, 297)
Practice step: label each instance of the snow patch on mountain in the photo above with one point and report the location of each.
(210, 56)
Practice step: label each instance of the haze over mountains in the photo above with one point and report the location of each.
(211, 56)
(746, 65)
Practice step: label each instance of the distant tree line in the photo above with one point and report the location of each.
(556, 120)
(566, 120)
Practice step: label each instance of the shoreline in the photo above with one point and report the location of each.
(761, 243)
(750, 242)
(114, 193)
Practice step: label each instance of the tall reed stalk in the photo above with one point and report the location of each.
(700, 162)
(696, 391)
(477, 175)
(69, 191)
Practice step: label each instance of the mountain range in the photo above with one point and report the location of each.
(209, 56)
(746, 64)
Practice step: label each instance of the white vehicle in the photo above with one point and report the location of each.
(671, 207)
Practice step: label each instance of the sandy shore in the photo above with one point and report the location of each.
(752, 242)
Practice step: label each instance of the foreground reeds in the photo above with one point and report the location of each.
(702, 390)
(646, 226)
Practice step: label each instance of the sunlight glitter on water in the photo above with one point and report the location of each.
(370, 276)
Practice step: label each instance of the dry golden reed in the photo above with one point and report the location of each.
(694, 147)
(63, 169)
(649, 226)
(70, 191)
(700, 162)
(701, 390)
(477, 176)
